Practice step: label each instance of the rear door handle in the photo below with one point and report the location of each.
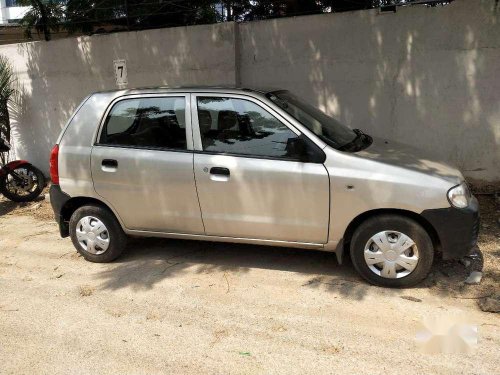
(220, 171)
(109, 165)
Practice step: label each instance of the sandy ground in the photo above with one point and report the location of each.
(191, 307)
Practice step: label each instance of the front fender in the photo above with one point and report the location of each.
(12, 165)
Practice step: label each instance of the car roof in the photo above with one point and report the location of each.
(165, 89)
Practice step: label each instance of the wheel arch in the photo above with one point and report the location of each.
(354, 224)
(74, 203)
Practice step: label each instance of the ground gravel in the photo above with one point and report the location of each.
(188, 307)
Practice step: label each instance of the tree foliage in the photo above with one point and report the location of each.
(8, 85)
(89, 16)
(85, 16)
(43, 16)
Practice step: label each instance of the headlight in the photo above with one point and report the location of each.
(459, 196)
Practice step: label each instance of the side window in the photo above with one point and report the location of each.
(238, 126)
(147, 122)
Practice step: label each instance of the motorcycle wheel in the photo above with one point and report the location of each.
(32, 187)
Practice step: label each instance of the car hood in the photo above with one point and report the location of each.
(405, 156)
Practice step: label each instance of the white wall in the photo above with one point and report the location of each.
(11, 13)
(15, 13)
(56, 76)
(425, 76)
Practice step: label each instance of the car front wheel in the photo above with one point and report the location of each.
(392, 251)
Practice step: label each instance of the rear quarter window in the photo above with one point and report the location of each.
(146, 123)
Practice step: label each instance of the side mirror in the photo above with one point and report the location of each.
(297, 148)
(305, 150)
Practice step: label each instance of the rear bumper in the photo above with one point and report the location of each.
(457, 228)
(57, 200)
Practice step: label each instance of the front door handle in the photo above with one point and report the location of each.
(220, 171)
(109, 165)
(219, 174)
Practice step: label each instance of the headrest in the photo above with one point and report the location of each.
(205, 120)
(227, 119)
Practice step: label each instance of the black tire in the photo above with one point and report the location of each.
(24, 198)
(117, 238)
(392, 222)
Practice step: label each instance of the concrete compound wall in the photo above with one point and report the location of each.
(425, 76)
(56, 76)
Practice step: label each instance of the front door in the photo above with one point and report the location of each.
(249, 184)
(142, 164)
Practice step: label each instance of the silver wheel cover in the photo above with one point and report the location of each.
(391, 254)
(92, 235)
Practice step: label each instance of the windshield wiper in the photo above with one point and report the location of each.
(355, 144)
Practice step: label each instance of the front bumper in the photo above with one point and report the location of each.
(57, 200)
(457, 228)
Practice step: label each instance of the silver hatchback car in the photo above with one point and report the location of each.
(253, 166)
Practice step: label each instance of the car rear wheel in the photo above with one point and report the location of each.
(392, 251)
(96, 234)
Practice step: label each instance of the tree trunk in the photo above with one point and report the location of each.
(45, 20)
(127, 15)
(5, 118)
(229, 9)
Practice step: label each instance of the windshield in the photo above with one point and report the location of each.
(325, 127)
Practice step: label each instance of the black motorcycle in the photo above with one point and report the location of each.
(20, 181)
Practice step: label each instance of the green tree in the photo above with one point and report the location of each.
(8, 90)
(87, 16)
(45, 16)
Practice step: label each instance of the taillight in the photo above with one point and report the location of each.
(54, 165)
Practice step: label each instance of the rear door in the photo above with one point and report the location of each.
(249, 185)
(142, 164)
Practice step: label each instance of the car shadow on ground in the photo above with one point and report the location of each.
(148, 261)
(7, 206)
